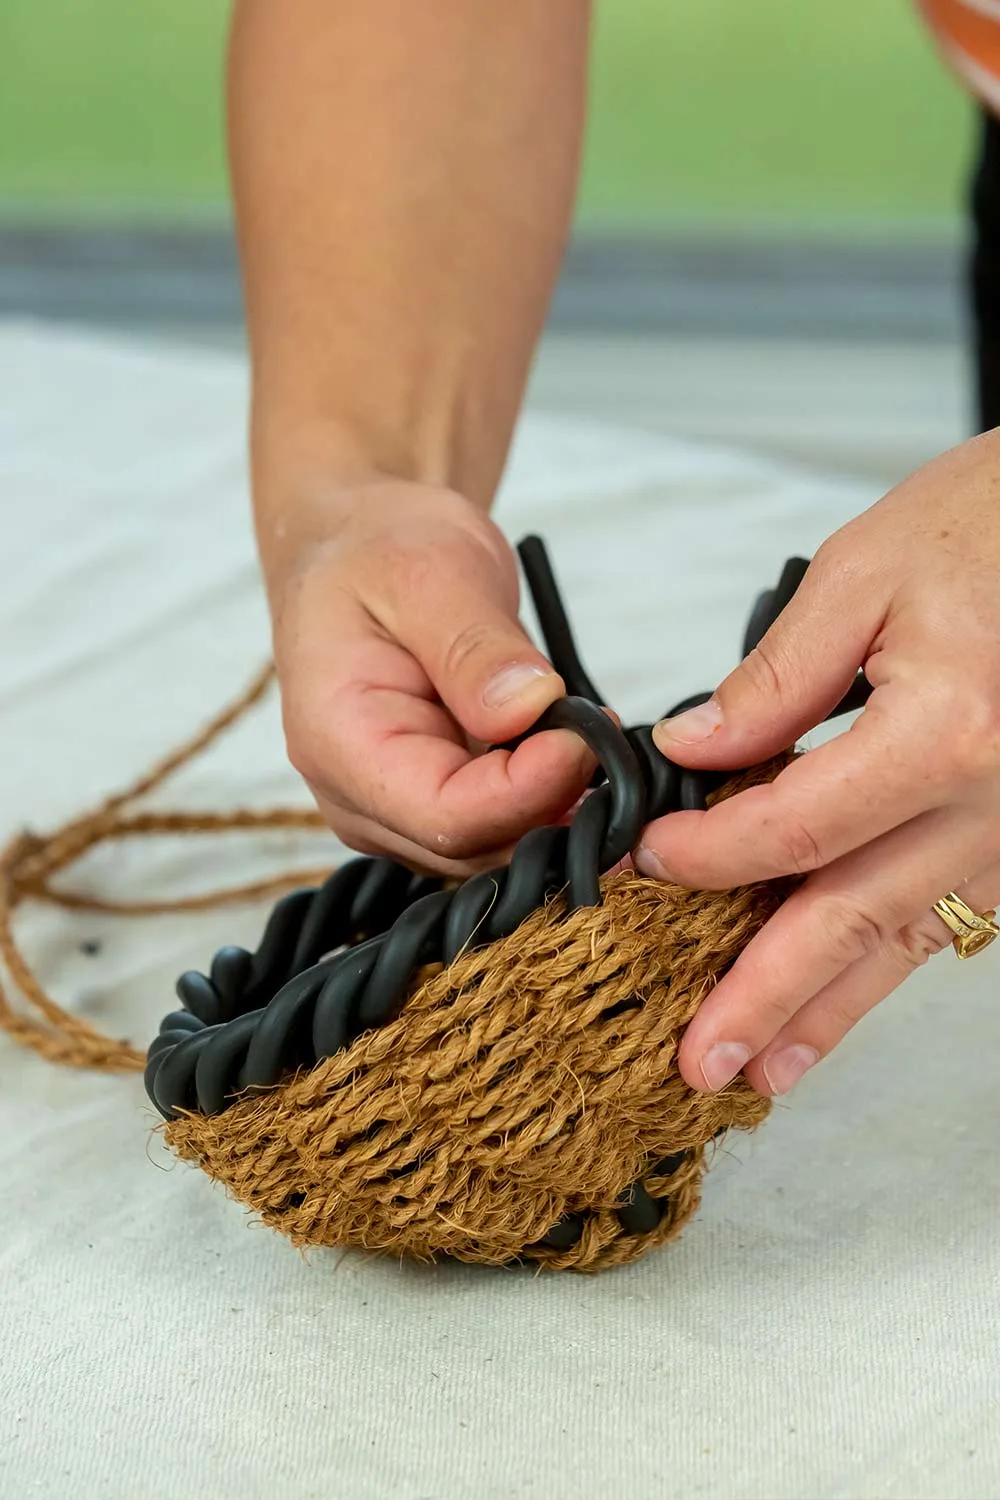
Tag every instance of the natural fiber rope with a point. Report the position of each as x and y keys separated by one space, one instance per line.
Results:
x=29 y=863
x=531 y=1079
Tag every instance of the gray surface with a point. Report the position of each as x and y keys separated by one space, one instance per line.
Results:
x=705 y=287
x=873 y=408
x=827 y=1327
x=846 y=356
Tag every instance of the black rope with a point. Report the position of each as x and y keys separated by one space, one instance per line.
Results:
x=338 y=960
x=553 y=620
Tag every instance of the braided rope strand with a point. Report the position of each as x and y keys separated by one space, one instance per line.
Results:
x=29 y=863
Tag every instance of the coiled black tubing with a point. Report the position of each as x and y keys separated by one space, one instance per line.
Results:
x=338 y=960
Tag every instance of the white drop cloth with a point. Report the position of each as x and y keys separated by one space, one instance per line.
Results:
x=827 y=1327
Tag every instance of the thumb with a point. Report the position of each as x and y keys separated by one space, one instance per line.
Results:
x=795 y=676
x=466 y=635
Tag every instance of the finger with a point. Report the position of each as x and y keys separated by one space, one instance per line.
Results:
x=843 y=914
x=825 y=1020
x=799 y=671
x=380 y=743
x=901 y=758
x=432 y=791
x=458 y=616
x=369 y=838
x=403 y=771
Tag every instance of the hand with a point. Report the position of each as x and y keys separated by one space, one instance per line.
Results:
x=882 y=821
x=400 y=657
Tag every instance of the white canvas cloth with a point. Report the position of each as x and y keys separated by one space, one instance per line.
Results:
x=827 y=1328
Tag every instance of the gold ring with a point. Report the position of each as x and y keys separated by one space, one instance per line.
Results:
x=972 y=932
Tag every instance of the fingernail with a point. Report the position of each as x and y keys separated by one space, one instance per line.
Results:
x=511 y=682
x=647 y=862
x=691 y=726
x=784 y=1069
x=722 y=1062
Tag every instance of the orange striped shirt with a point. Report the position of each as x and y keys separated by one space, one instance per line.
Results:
x=969 y=34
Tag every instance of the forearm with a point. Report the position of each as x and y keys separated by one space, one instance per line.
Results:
x=404 y=174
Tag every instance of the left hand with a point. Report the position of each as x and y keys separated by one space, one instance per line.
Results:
x=885 y=819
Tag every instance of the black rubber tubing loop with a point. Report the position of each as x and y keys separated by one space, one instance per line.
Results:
x=668 y=1165
x=557 y=633
x=167 y=1036
x=200 y=997
x=542 y=851
x=470 y=907
x=609 y=744
x=181 y=1020
x=336 y=1003
x=164 y=1041
x=679 y=786
x=637 y=1212
x=328 y=917
x=564 y=1234
x=380 y=898
x=553 y=620
x=174 y=1076
x=231 y=972
x=415 y=940
x=662 y=776
x=220 y=1062
x=273 y=958
x=268 y=1055
x=271 y=992
x=583 y=852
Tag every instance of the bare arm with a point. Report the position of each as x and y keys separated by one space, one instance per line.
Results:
x=404 y=175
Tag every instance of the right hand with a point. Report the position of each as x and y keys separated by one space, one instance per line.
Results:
x=401 y=658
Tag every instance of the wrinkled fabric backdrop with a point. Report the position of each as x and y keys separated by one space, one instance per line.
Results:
x=828 y=1325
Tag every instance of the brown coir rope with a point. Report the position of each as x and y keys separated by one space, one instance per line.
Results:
x=533 y=1078
x=30 y=862
x=529 y=1080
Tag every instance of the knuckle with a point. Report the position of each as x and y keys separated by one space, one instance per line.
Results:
x=847 y=931
x=832 y=558
x=971 y=734
x=763 y=669
x=303 y=752
x=919 y=941
x=466 y=645
x=440 y=834
x=447 y=838
x=799 y=850
x=410 y=570
x=955 y=720
x=311 y=750
x=840 y=1016
x=842 y=560
x=361 y=842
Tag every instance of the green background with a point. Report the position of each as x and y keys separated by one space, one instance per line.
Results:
x=821 y=112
